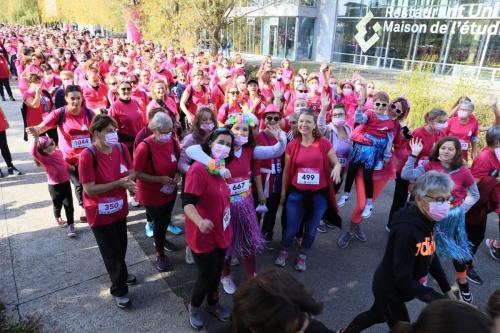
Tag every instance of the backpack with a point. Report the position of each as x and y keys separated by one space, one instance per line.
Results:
x=89 y=114
x=94 y=157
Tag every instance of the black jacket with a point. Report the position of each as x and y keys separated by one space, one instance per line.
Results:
x=410 y=256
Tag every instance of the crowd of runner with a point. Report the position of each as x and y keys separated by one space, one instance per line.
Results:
x=141 y=124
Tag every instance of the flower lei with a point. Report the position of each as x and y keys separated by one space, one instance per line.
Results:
x=241 y=118
x=214 y=166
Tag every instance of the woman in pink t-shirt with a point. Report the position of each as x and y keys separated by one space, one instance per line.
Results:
x=231 y=104
x=48 y=156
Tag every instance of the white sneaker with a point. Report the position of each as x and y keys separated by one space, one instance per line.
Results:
x=228 y=284
x=367 y=212
x=133 y=202
x=343 y=199
x=189 y=256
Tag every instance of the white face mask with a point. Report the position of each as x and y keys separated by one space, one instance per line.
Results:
x=347 y=91
x=497 y=153
x=111 y=138
x=67 y=82
x=440 y=126
x=462 y=114
x=165 y=137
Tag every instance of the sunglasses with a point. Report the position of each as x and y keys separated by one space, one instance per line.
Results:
x=302 y=91
x=398 y=111
x=381 y=104
x=126 y=89
x=271 y=118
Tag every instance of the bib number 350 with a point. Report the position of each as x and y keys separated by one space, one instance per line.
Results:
x=106 y=208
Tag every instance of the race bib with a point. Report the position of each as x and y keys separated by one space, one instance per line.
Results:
x=308 y=176
x=239 y=187
x=464 y=145
x=80 y=141
x=168 y=189
x=110 y=207
x=226 y=219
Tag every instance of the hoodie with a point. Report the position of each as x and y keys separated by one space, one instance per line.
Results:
x=409 y=257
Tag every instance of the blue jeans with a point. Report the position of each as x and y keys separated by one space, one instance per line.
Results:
x=295 y=210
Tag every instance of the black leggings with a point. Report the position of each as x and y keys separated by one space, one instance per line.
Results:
x=382 y=310
x=5 y=83
x=4 y=148
x=367 y=176
x=112 y=242
x=61 y=196
x=475 y=235
x=400 y=196
x=75 y=180
x=162 y=216
x=210 y=267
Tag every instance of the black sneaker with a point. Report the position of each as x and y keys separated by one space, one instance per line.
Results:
x=170 y=247
x=161 y=263
x=131 y=279
x=473 y=277
x=12 y=99
x=464 y=292
x=14 y=171
x=219 y=312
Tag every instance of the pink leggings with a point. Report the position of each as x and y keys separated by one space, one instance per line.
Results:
x=378 y=186
x=249 y=265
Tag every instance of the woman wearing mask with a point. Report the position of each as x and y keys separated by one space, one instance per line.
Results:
x=128 y=115
x=160 y=97
x=350 y=100
x=451 y=236
x=155 y=162
x=203 y=124
x=287 y=73
x=307 y=175
x=254 y=103
x=36 y=60
x=268 y=84
x=313 y=98
x=293 y=93
x=106 y=175
x=69 y=62
x=247 y=238
x=35 y=101
x=195 y=96
x=465 y=127
x=208 y=228
x=81 y=70
x=231 y=104
x=73 y=122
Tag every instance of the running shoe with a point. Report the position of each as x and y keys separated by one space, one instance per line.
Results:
x=345 y=239
x=322 y=227
x=161 y=262
x=14 y=171
x=70 y=230
x=174 y=230
x=343 y=199
x=133 y=202
x=131 y=279
x=300 y=264
x=149 y=229
x=464 y=292
x=12 y=99
x=123 y=301
x=281 y=259
x=196 y=317
x=170 y=247
x=494 y=251
x=367 y=211
x=189 y=256
x=359 y=234
x=219 y=312
x=473 y=277
x=268 y=245
x=228 y=284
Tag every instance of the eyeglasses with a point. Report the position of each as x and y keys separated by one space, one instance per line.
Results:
x=381 y=104
x=398 y=111
x=338 y=115
x=234 y=92
x=271 y=118
x=440 y=200
x=302 y=91
x=112 y=83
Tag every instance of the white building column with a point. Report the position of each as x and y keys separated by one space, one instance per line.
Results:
x=324 y=29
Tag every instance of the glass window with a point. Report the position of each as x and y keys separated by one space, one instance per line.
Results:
x=290 y=37
x=305 y=38
x=308 y=3
x=281 y=37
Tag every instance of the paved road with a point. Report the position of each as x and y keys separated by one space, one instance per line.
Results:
x=63 y=281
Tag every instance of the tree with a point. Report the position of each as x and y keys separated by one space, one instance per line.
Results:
x=24 y=12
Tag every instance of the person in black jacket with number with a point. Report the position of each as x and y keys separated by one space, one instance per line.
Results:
x=410 y=256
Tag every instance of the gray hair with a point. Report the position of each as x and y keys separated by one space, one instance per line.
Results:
x=161 y=121
x=493 y=135
x=467 y=105
x=432 y=181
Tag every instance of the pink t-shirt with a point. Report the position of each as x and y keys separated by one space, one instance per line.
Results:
x=462 y=178
x=466 y=133
x=309 y=174
x=95 y=98
x=54 y=165
x=428 y=141
x=226 y=110
x=487 y=166
x=129 y=118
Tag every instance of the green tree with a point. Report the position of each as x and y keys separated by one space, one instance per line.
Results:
x=24 y=12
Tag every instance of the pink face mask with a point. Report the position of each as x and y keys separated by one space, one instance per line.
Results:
x=220 y=152
x=440 y=126
x=338 y=121
x=439 y=211
x=207 y=127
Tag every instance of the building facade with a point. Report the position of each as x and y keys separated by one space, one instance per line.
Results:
x=455 y=37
